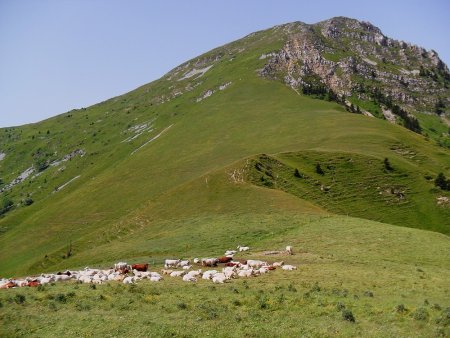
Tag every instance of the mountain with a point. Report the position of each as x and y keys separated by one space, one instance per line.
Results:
x=331 y=137
x=254 y=128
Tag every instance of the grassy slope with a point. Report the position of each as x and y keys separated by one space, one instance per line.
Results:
x=368 y=267
x=251 y=116
x=174 y=197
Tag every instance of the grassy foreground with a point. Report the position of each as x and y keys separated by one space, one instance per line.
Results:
x=392 y=281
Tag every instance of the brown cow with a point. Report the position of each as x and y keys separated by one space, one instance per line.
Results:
x=224 y=259
x=8 y=285
x=140 y=267
x=33 y=283
x=231 y=264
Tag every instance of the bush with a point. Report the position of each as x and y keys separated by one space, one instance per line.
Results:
x=400 y=308
x=348 y=316
x=236 y=302
x=19 y=299
x=368 y=293
x=28 y=201
x=262 y=302
x=319 y=169
x=420 y=314
x=442 y=182
x=340 y=306
x=297 y=173
x=387 y=165
x=182 y=306
x=61 y=298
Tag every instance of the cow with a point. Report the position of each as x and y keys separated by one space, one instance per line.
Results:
x=171 y=263
x=33 y=283
x=289 y=250
x=140 y=267
x=8 y=285
x=224 y=259
x=209 y=262
x=243 y=248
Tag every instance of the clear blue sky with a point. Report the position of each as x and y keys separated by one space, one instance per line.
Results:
x=63 y=54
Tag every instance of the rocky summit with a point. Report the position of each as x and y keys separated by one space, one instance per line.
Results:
x=355 y=60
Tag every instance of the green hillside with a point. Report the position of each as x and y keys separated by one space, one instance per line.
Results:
x=137 y=149
x=216 y=154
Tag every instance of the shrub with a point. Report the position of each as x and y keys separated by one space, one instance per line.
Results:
x=297 y=173
x=319 y=169
x=19 y=299
x=436 y=307
x=420 y=314
x=61 y=298
x=368 y=293
x=236 y=302
x=387 y=164
x=400 y=308
x=340 y=306
x=348 y=316
x=28 y=201
x=182 y=306
x=442 y=182
x=262 y=302
x=291 y=288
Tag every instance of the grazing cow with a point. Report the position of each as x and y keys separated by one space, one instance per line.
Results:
x=171 y=263
x=196 y=260
x=187 y=267
x=128 y=280
x=155 y=278
x=278 y=264
x=33 y=283
x=224 y=259
x=8 y=285
x=232 y=264
x=219 y=278
x=245 y=273
x=209 y=274
x=289 y=250
x=289 y=267
x=230 y=252
x=166 y=271
x=177 y=273
x=243 y=248
x=120 y=266
x=140 y=267
x=209 y=262
x=189 y=278
x=183 y=263
x=255 y=263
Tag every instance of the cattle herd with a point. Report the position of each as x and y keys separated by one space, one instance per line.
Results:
x=187 y=270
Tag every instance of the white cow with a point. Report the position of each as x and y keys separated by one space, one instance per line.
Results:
x=255 y=263
x=209 y=274
x=243 y=248
x=289 y=267
x=219 y=278
x=177 y=273
x=189 y=278
x=289 y=250
x=183 y=263
x=171 y=263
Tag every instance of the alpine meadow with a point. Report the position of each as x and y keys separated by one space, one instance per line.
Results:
x=331 y=138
